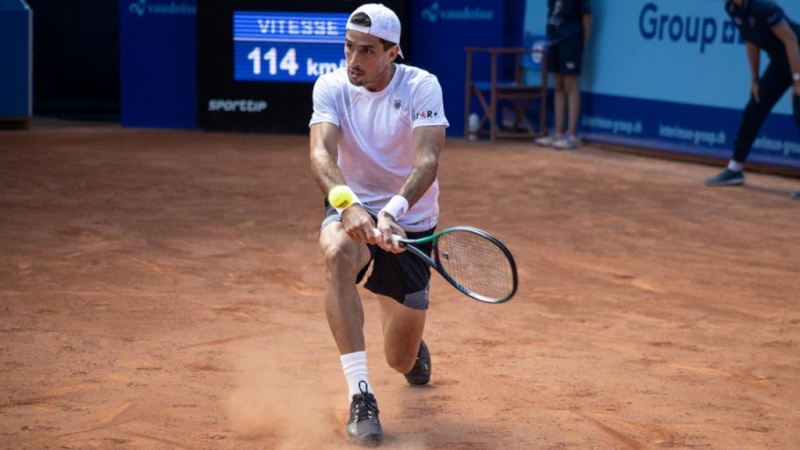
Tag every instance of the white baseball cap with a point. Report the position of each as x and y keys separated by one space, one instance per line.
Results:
x=385 y=23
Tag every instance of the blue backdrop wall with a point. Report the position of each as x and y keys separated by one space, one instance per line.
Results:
x=158 y=63
x=673 y=75
x=15 y=56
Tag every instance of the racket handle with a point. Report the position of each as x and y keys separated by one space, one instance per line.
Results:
x=376 y=232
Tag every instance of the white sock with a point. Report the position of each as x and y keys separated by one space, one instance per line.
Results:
x=735 y=166
x=355 y=370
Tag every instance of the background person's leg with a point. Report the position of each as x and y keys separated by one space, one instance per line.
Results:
x=572 y=88
x=560 y=103
x=775 y=81
x=571 y=64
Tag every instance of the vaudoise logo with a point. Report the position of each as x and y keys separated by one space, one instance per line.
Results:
x=141 y=7
x=435 y=13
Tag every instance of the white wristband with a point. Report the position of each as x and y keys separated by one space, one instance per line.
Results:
x=397 y=206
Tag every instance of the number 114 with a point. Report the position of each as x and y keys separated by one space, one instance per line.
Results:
x=287 y=63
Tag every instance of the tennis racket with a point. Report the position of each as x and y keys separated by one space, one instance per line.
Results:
x=473 y=261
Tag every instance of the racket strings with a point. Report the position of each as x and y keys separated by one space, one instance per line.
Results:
x=477 y=264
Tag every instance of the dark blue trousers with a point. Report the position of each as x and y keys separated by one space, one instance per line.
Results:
x=775 y=81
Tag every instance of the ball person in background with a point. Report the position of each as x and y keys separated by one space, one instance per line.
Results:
x=569 y=24
x=378 y=128
x=764 y=26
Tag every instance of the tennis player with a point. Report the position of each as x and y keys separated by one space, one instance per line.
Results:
x=764 y=26
x=377 y=127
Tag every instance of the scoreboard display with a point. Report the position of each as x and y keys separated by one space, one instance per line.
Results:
x=291 y=47
x=258 y=61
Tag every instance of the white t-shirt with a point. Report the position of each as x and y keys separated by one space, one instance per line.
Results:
x=375 y=151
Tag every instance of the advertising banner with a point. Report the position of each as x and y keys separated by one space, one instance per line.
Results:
x=673 y=75
x=158 y=63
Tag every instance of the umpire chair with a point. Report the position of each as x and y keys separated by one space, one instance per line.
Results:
x=496 y=91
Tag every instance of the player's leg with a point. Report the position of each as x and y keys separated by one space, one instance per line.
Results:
x=402 y=333
x=344 y=262
x=344 y=259
x=402 y=282
x=775 y=81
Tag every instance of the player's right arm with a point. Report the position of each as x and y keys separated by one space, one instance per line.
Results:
x=324 y=138
x=324 y=141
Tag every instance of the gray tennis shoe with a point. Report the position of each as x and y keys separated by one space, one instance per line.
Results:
x=421 y=372
x=727 y=177
x=363 y=427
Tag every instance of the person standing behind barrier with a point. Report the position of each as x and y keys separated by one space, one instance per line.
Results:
x=569 y=24
x=764 y=26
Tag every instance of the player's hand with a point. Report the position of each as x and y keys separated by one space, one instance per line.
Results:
x=754 y=91
x=796 y=88
x=387 y=226
x=358 y=224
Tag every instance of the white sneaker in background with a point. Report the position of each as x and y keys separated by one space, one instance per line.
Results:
x=546 y=141
x=567 y=143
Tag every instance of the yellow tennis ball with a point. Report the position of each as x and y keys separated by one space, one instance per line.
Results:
x=340 y=197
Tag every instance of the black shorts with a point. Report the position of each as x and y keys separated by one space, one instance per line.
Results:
x=565 y=57
x=401 y=276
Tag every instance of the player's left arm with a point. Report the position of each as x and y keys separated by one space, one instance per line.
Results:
x=428 y=124
x=785 y=33
x=428 y=142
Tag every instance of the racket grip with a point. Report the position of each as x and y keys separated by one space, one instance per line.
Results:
x=376 y=232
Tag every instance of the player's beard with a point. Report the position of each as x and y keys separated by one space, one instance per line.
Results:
x=366 y=81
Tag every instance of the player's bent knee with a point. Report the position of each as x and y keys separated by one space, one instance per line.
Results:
x=401 y=363
x=340 y=260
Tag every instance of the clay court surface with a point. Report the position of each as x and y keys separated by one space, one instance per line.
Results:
x=164 y=289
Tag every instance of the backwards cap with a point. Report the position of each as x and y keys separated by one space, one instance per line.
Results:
x=385 y=23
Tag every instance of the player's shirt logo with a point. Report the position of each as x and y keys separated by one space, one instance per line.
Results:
x=425 y=115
